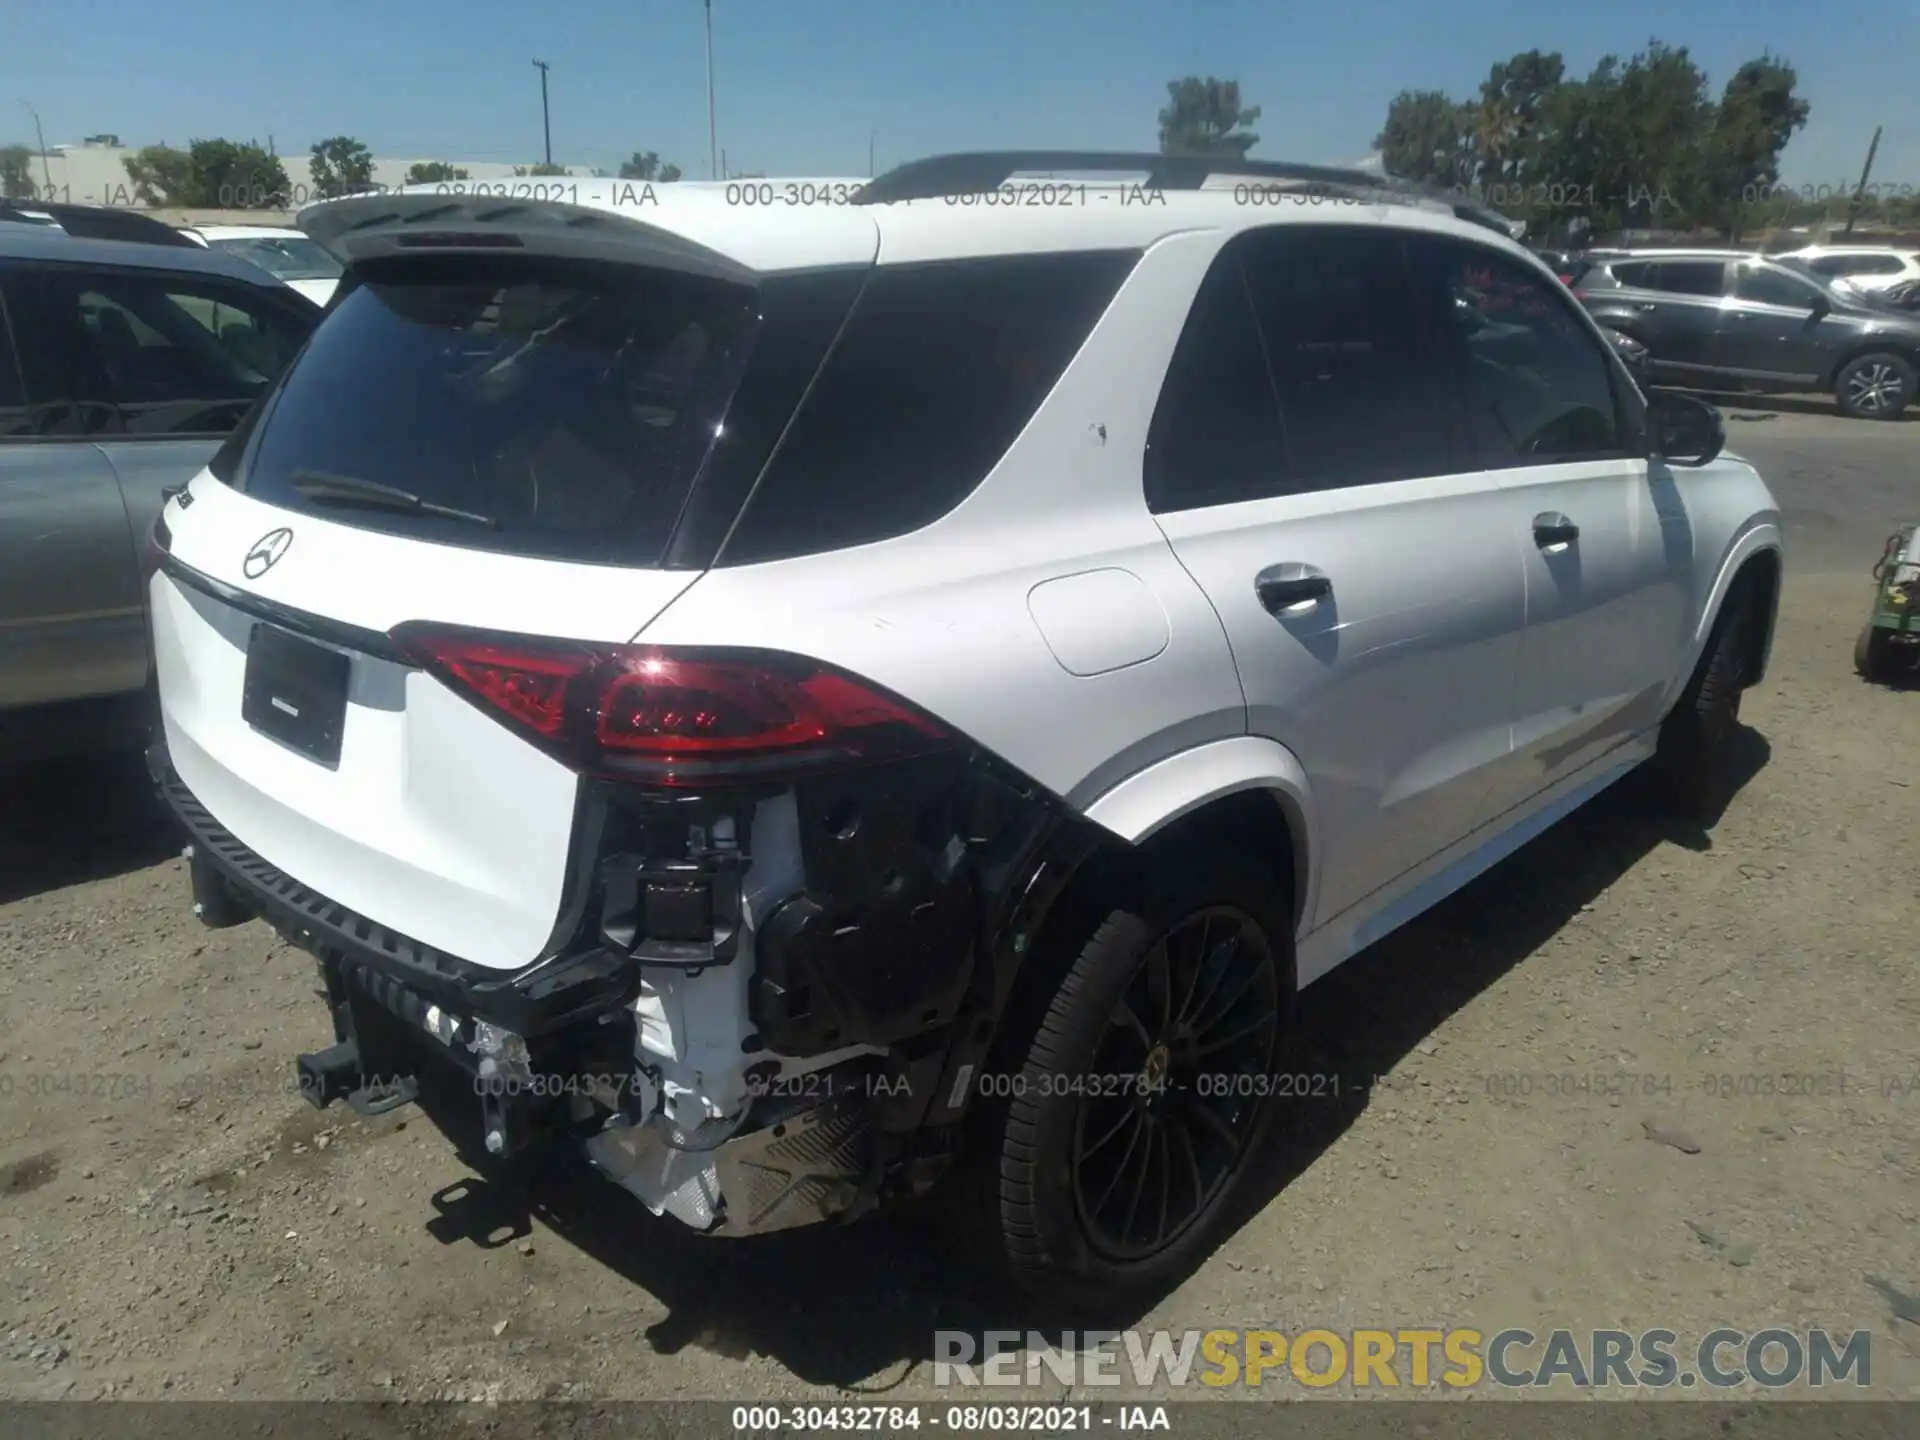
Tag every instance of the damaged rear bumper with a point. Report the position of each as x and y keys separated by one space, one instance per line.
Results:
x=546 y=1052
x=743 y=1060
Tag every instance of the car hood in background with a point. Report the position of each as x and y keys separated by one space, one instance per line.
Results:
x=318 y=291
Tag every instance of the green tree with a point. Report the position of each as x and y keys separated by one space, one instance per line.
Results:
x=1206 y=117
x=1665 y=111
x=230 y=176
x=646 y=165
x=432 y=172
x=1757 y=115
x=1635 y=142
x=541 y=170
x=341 y=166
x=1427 y=138
x=16 y=172
x=161 y=175
x=1509 y=118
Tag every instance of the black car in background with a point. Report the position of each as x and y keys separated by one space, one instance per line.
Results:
x=1731 y=319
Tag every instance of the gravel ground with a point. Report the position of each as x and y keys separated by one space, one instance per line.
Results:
x=174 y=1222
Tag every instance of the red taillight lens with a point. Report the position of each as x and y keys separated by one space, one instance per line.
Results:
x=523 y=685
x=673 y=716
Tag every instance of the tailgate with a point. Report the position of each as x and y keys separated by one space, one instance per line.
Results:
x=503 y=443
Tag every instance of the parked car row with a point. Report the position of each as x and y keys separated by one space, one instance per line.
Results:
x=1730 y=319
x=128 y=353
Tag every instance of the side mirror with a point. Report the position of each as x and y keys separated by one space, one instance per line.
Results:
x=1685 y=431
x=1820 y=306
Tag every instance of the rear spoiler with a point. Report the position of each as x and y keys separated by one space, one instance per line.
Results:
x=368 y=227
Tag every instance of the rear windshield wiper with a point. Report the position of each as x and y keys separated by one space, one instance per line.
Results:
x=324 y=488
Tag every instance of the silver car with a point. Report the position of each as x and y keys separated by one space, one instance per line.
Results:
x=124 y=364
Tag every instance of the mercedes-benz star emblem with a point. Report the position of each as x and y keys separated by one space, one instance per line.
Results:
x=266 y=552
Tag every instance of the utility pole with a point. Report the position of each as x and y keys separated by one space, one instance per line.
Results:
x=41 y=136
x=1853 y=207
x=713 y=134
x=546 y=121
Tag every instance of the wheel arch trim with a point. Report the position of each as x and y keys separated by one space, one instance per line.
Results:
x=1149 y=801
x=1759 y=539
x=1899 y=347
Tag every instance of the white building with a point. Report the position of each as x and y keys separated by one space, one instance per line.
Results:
x=95 y=173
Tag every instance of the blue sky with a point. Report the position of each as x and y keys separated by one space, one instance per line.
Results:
x=802 y=85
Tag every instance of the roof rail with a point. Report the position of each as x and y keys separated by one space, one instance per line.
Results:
x=975 y=172
x=95 y=222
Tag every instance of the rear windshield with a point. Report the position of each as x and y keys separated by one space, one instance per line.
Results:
x=563 y=409
x=291 y=258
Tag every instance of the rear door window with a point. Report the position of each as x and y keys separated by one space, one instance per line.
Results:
x=563 y=408
x=182 y=355
x=1686 y=277
x=1359 y=353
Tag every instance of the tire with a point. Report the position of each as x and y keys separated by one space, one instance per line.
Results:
x=1870 y=653
x=1065 y=1231
x=1874 y=386
x=1696 y=741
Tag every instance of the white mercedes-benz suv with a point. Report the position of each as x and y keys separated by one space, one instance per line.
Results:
x=799 y=699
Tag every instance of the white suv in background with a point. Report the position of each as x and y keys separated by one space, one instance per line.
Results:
x=800 y=699
x=286 y=253
x=1871 y=269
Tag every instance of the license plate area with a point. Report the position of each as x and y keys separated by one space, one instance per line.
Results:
x=295 y=692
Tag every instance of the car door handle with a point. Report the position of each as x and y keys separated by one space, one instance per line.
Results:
x=1554 y=529
x=1647 y=305
x=1281 y=587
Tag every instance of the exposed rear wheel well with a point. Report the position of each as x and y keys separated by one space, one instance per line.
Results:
x=1258 y=824
x=1756 y=587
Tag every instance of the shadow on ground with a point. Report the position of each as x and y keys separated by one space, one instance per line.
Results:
x=67 y=822
x=857 y=1307
x=1739 y=406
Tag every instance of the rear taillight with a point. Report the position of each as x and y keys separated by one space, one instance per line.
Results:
x=676 y=717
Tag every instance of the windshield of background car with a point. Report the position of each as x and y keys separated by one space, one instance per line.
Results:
x=570 y=404
x=295 y=258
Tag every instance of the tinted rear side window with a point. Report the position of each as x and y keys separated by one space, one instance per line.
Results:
x=14 y=417
x=938 y=370
x=571 y=405
x=1765 y=285
x=1357 y=344
x=1857 y=265
x=1687 y=277
x=1216 y=435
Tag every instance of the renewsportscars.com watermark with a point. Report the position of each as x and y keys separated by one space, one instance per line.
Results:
x=1411 y=1358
